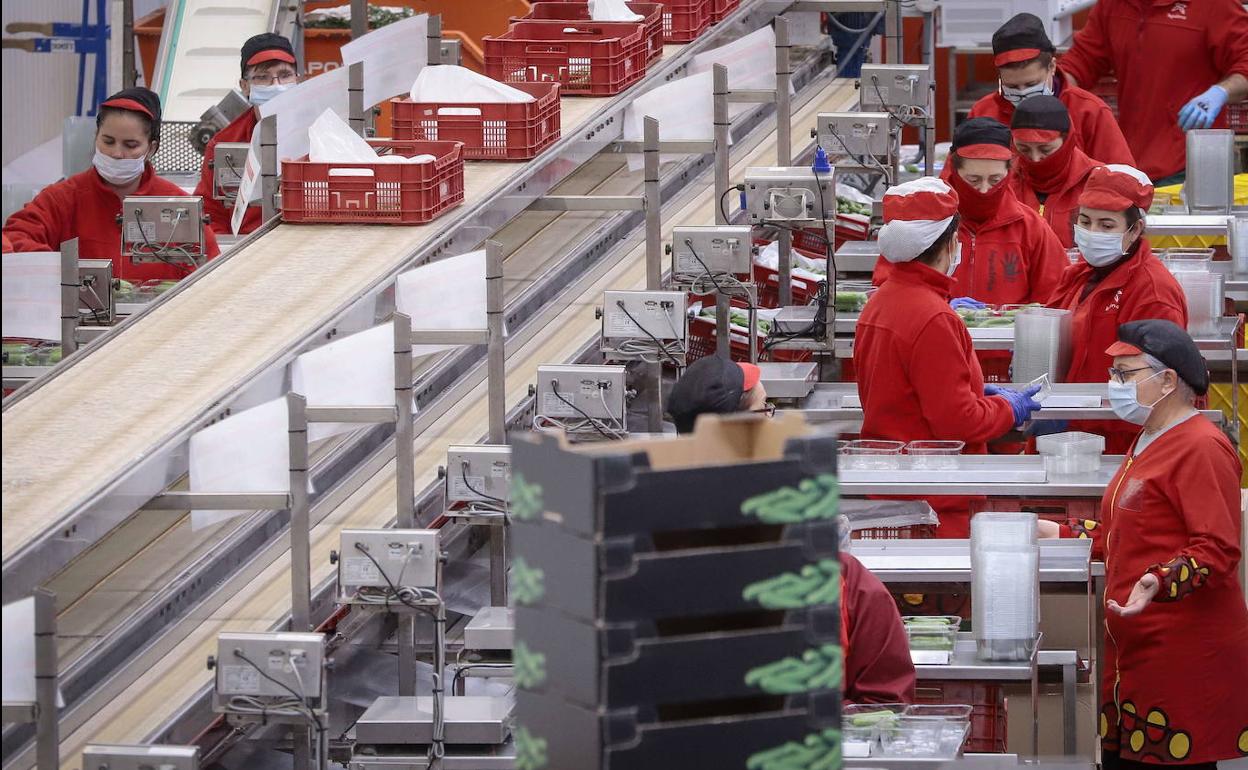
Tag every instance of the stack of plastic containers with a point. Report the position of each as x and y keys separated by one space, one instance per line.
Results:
x=935 y=455
x=873 y=455
x=898 y=730
x=1202 y=289
x=1041 y=343
x=1005 y=585
x=1070 y=454
x=1237 y=242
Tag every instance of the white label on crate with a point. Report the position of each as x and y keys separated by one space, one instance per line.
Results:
x=855 y=749
x=240 y=680
x=929 y=657
x=136 y=235
x=360 y=571
x=460 y=489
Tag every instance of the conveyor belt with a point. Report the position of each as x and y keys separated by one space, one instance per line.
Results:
x=141 y=709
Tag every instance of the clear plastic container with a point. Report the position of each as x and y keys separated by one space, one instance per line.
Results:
x=1004 y=649
x=858 y=742
x=1070 y=443
x=872 y=454
x=945 y=621
x=1187 y=260
x=924 y=738
x=1003 y=529
x=871 y=714
x=935 y=455
x=1046 y=388
x=1237 y=241
x=933 y=637
x=1204 y=293
x=1062 y=466
x=949 y=711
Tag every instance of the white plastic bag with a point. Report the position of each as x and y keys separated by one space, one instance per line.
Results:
x=357 y=370
x=393 y=57
x=751 y=60
x=331 y=140
x=297 y=107
x=449 y=83
x=685 y=110
x=612 y=10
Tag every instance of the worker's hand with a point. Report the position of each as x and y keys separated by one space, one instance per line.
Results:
x=1020 y=401
x=1143 y=592
x=1203 y=110
x=966 y=302
x=1047 y=530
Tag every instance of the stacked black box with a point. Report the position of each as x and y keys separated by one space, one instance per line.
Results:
x=677 y=601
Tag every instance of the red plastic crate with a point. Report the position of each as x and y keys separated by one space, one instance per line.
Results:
x=813 y=240
x=381 y=193
x=497 y=132
x=768 y=282
x=599 y=58
x=721 y=8
x=988 y=714
x=700 y=342
x=579 y=11
x=908 y=532
x=684 y=20
x=1237 y=117
x=1054 y=508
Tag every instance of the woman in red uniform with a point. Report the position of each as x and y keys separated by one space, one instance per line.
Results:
x=1052 y=170
x=1119 y=280
x=1174 y=684
x=918 y=377
x=86 y=206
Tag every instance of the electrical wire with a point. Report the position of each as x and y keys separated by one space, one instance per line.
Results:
x=152 y=252
x=302 y=708
x=461 y=668
x=578 y=427
x=89 y=285
x=659 y=346
x=723 y=211
x=827 y=287
x=463 y=472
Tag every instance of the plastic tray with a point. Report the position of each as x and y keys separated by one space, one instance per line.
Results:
x=921 y=738
x=1070 y=443
x=1185 y=260
x=932 y=637
x=600 y=58
x=935 y=455
x=498 y=131
x=988 y=713
x=684 y=20
x=652 y=22
x=872 y=454
x=381 y=193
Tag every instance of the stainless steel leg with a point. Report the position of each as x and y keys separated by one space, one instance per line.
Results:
x=47 y=735
x=300 y=526
x=1069 y=729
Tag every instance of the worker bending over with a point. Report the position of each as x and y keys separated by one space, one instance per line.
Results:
x=1052 y=170
x=86 y=206
x=268 y=68
x=716 y=385
x=878 y=666
x=918 y=377
x=1026 y=68
x=1174 y=685
x=1118 y=280
x=1178 y=64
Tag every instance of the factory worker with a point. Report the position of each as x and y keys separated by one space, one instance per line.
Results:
x=86 y=206
x=1174 y=687
x=268 y=68
x=1051 y=168
x=1178 y=64
x=1026 y=68
x=918 y=377
x=878 y=666
x=715 y=385
x=1118 y=280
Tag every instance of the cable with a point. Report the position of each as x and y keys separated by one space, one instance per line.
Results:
x=723 y=211
x=89 y=285
x=461 y=668
x=554 y=387
x=660 y=346
x=463 y=472
x=151 y=250
x=303 y=708
x=874 y=160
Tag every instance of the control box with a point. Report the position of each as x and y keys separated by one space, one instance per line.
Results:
x=643 y=314
x=720 y=248
x=894 y=85
x=856 y=134
x=492 y=628
x=789 y=194
x=382 y=558
x=228 y=161
x=162 y=228
x=259 y=664
x=479 y=473
x=95 y=295
x=154 y=757
x=596 y=391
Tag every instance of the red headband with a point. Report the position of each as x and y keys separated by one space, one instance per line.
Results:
x=984 y=152
x=271 y=54
x=128 y=104
x=1017 y=55
x=1035 y=134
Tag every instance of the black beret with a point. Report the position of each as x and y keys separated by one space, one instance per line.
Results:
x=711 y=385
x=1041 y=112
x=1022 y=38
x=1169 y=344
x=267 y=46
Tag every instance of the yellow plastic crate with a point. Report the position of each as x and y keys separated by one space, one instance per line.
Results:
x=1175 y=191
x=1220 y=398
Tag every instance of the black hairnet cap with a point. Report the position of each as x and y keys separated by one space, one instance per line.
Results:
x=1022 y=38
x=985 y=138
x=1169 y=344
x=267 y=46
x=1042 y=112
x=711 y=385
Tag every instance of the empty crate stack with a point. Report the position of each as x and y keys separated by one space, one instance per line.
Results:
x=655 y=628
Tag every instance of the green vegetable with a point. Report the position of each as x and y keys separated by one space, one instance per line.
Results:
x=930 y=642
x=377 y=17
x=872 y=718
x=850 y=301
x=846 y=206
x=930 y=620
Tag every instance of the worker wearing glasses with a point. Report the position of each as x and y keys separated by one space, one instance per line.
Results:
x=1175 y=675
x=715 y=385
x=268 y=68
x=1117 y=280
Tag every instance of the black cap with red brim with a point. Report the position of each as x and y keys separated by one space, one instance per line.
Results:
x=982 y=139
x=1040 y=119
x=1020 y=39
x=1169 y=344
x=267 y=46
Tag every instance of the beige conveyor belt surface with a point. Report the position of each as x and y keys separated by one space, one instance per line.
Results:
x=109 y=410
x=176 y=677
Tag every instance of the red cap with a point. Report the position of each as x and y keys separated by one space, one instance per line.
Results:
x=271 y=54
x=1035 y=134
x=1017 y=55
x=921 y=200
x=1121 y=348
x=1116 y=187
x=985 y=152
x=752 y=375
x=128 y=104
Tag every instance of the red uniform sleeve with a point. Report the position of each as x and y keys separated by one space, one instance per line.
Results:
x=44 y=223
x=1047 y=262
x=940 y=373
x=1088 y=529
x=1206 y=485
x=1107 y=144
x=1228 y=39
x=1089 y=56
x=1162 y=309
x=211 y=248
x=878 y=668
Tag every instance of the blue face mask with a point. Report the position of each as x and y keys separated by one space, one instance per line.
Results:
x=1126 y=404
x=261 y=94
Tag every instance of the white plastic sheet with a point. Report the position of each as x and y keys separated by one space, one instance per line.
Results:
x=612 y=10
x=393 y=56
x=331 y=140
x=805 y=28
x=296 y=108
x=751 y=60
x=18 y=627
x=447 y=294
x=31 y=290
x=247 y=452
x=352 y=371
x=685 y=110
x=249 y=184
x=449 y=83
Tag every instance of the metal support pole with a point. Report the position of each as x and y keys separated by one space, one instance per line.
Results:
x=300 y=528
x=892 y=31
x=301 y=743
x=786 y=267
x=268 y=167
x=69 y=296
x=654 y=204
x=929 y=123
x=719 y=77
x=405 y=471
x=784 y=76
x=359 y=18
x=496 y=374
x=355 y=97
x=129 y=74
x=434 y=36
x=47 y=736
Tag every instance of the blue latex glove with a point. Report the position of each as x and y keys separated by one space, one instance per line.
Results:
x=966 y=302
x=1047 y=427
x=990 y=389
x=1201 y=111
x=1021 y=402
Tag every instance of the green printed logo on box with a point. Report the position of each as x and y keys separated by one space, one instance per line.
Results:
x=820 y=751
x=817 y=669
x=818 y=583
x=530 y=666
x=530 y=750
x=528 y=584
x=526 y=498
x=813 y=499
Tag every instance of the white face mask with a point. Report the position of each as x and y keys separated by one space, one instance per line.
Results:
x=955 y=259
x=1099 y=249
x=1016 y=96
x=1125 y=403
x=261 y=94
x=119 y=170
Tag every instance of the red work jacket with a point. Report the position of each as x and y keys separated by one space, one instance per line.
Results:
x=1092 y=123
x=1061 y=207
x=86 y=208
x=1140 y=287
x=239 y=130
x=1164 y=53
x=1174 y=686
x=878 y=668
